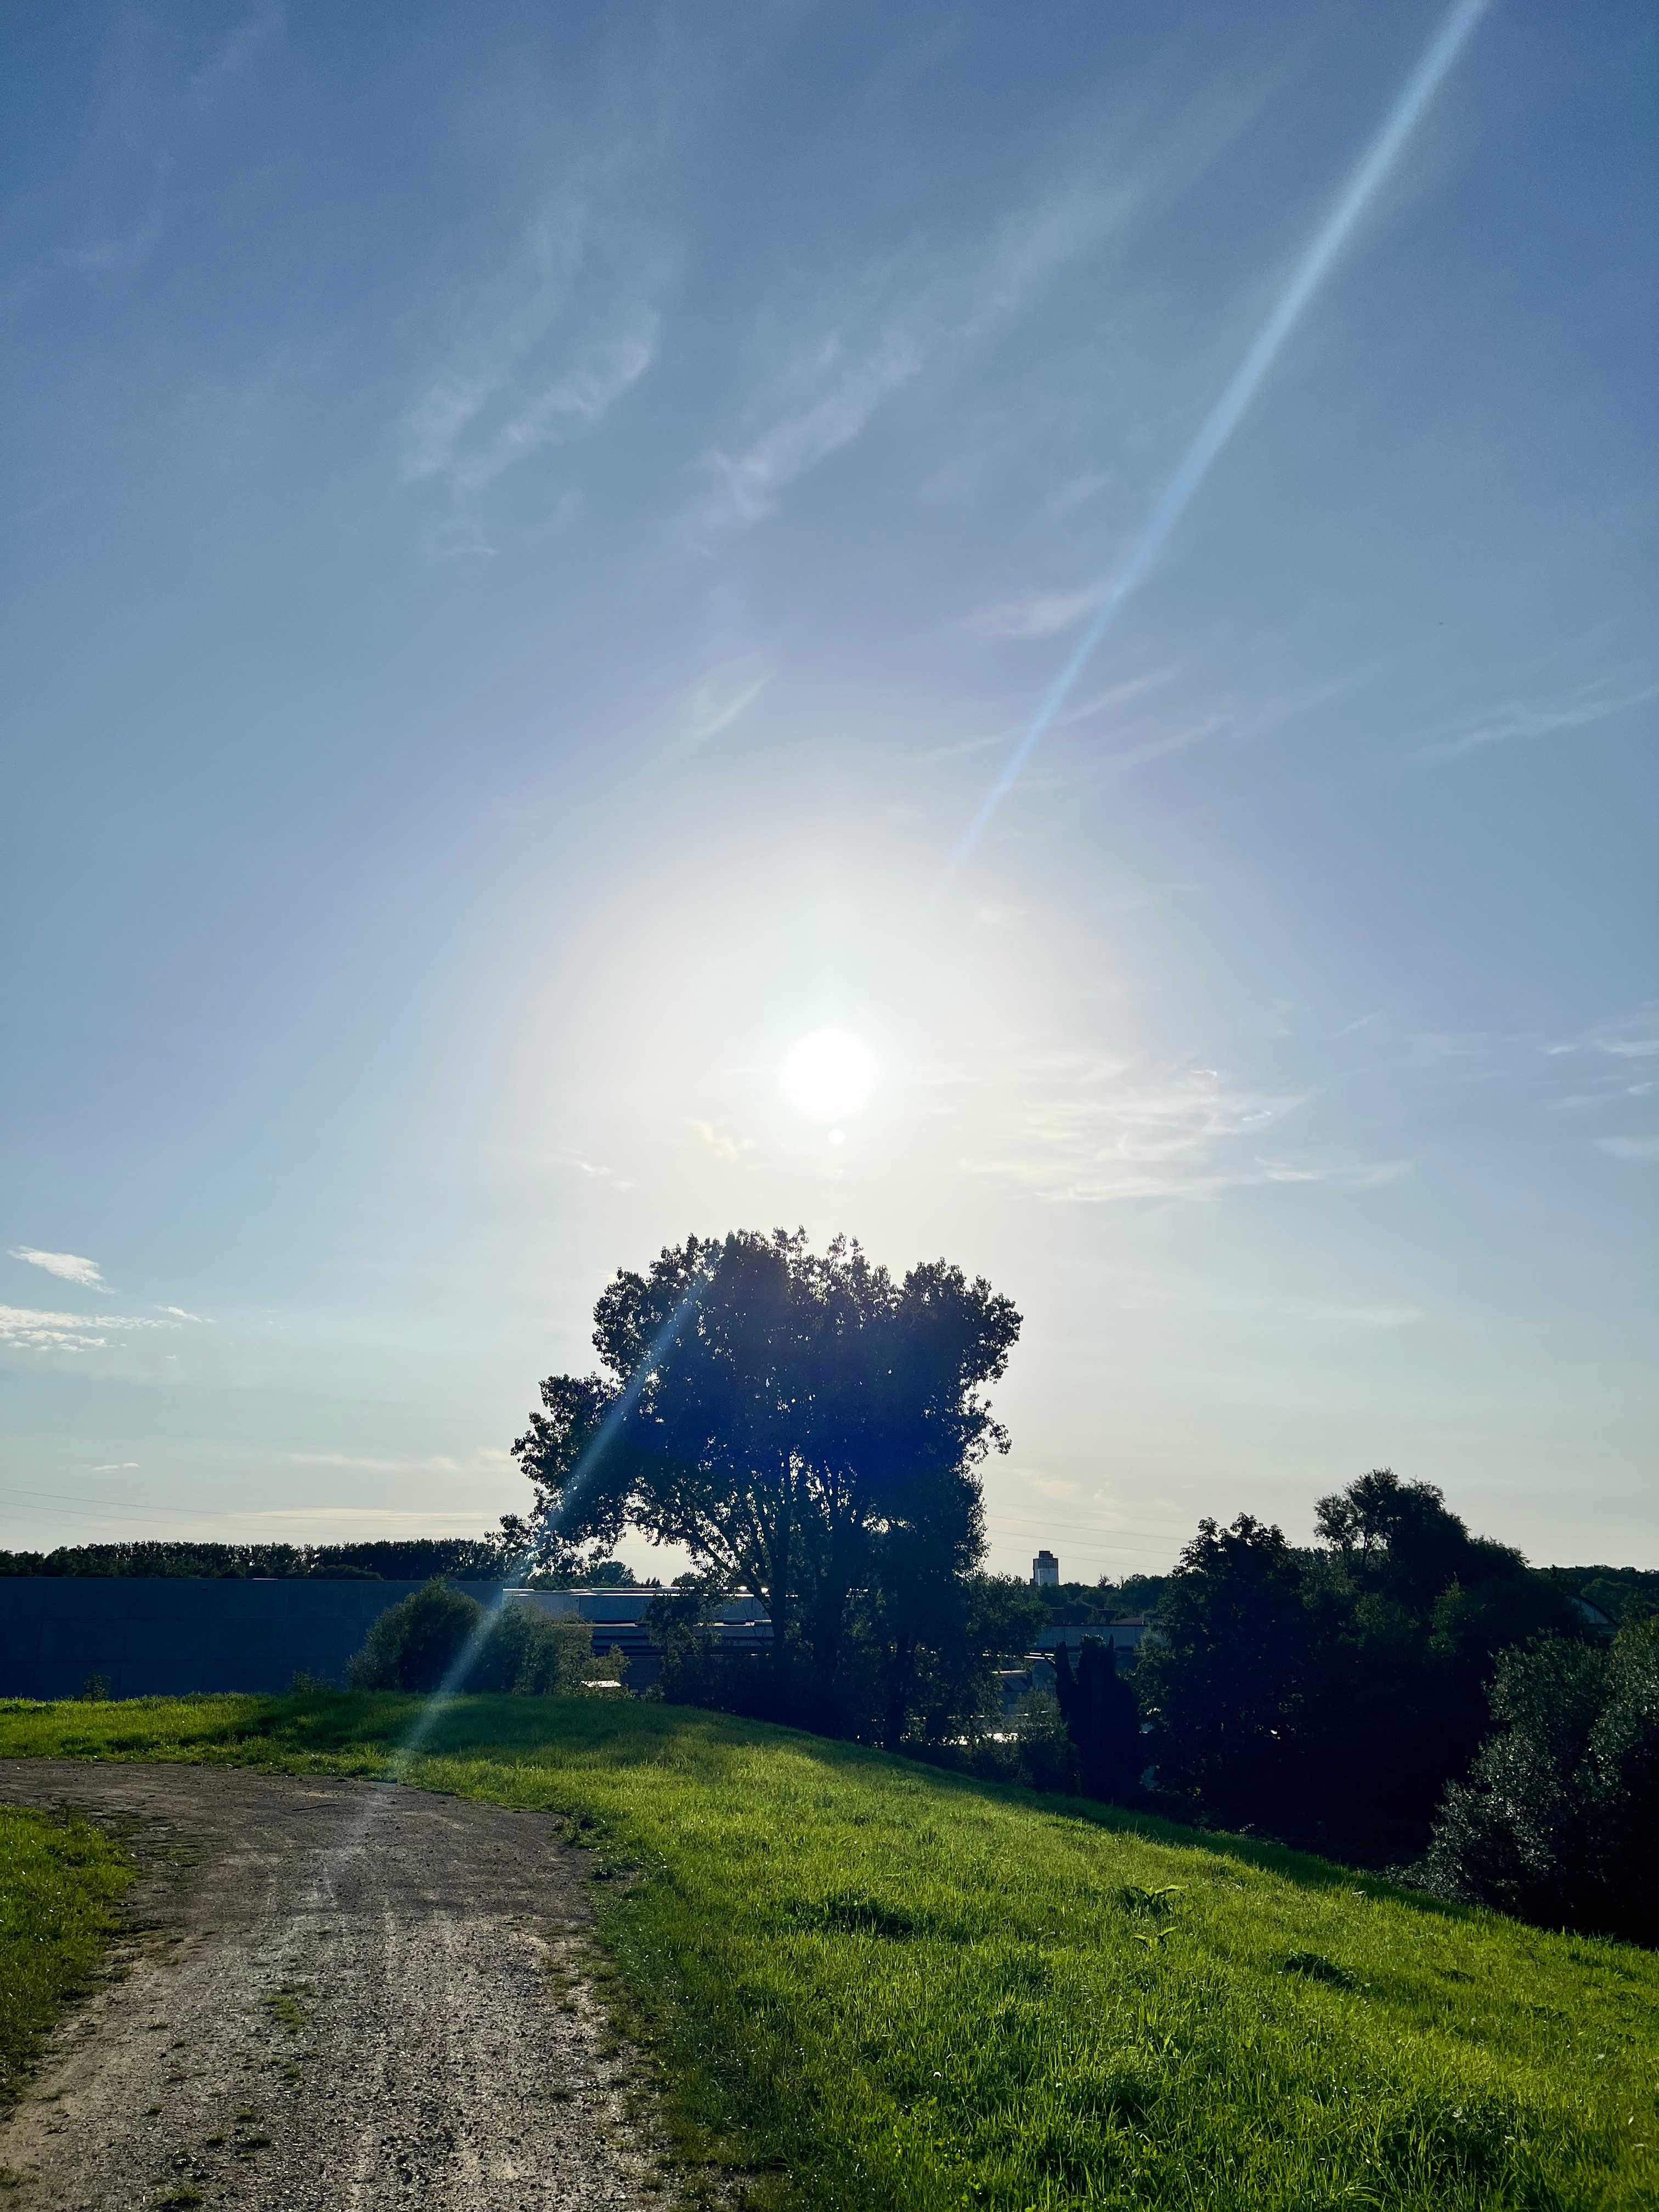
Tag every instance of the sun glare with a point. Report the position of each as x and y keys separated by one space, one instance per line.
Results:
x=827 y=1074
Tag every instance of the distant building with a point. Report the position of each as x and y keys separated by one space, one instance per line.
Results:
x=1045 y=1570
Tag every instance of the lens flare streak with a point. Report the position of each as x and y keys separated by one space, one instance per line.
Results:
x=1315 y=265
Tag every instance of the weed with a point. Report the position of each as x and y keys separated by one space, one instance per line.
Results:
x=1154 y=1901
x=284 y=2007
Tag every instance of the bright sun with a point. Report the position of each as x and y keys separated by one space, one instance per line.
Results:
x=827 y=1074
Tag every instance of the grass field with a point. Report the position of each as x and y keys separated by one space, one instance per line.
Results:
x=59 y=1880
x=883 y=1988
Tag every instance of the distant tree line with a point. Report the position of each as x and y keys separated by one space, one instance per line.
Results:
x=490 y=1559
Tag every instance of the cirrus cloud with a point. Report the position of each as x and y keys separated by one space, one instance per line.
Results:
x=30 y=1329
x=69 y=1264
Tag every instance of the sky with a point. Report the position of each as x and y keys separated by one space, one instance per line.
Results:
x=533 y=535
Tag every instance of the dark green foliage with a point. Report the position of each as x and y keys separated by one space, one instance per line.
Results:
x=1328 y=1696
x=529 y=1655
x=1102 y=1720
x=811 y=1429
x=463 y=1559
x=1558 y=1821
x=437 y=1633
x=919 y=1669
x=1098 y=1605
x=1225 y=1679
x=1622 y=1593
x=414 y=1644
x=1043 y=1756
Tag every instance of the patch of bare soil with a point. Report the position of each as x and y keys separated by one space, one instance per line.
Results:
x=331 y=1993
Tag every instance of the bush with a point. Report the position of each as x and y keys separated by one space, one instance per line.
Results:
x=529 y=1656
x=1044 y=1756
x=1558 y=1821
x=417 y=1644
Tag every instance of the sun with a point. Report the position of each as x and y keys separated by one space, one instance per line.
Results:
x=827 y=1074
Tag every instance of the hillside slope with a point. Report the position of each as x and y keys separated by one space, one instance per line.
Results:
x=881 y=1987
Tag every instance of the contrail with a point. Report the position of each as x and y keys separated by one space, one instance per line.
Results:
x=1355 y=197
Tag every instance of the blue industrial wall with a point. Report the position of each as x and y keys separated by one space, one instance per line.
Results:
x=166 y=1637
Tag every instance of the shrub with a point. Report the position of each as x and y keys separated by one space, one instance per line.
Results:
x=417 y=1644
x=414 y=1643
x=1044 y=1756
x=1558 y=1821
x=530 y=1655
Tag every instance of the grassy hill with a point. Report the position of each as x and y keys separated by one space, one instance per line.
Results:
x=883 y=1988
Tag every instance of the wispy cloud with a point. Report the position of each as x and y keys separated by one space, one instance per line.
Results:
x=598 y=1173
x=717 y=698
x=540 y=370
x=1539 y=719
x=1040 y=614
x=117 y=1466
x=484 y=1456
x=1637 y=1149
x=233 y=61
x=1090 y=1130
x=1260 y=1305
x=70 y=1266
x=900 y=318
x=37 y=1331
x=721 y=1143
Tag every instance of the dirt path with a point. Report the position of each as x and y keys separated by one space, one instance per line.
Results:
x=331 y=1993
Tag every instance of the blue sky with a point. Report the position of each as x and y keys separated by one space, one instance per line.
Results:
x=532 y=534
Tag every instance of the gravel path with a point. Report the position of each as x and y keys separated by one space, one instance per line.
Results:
x=331 y=1993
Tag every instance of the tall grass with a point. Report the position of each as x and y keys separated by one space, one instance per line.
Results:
x=59 y=1880
x=885 y=1987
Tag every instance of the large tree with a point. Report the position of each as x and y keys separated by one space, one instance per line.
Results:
x=804 y=1425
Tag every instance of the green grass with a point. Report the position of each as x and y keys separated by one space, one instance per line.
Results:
x=59 y=1881
x=888 y=1989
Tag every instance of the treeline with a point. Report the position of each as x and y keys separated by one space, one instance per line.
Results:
x=1098 y=1605
x=1330 y=1694
x=490 y=1558
x=1402 y=1691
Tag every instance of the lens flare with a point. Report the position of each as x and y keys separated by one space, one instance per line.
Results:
x=1315 y=266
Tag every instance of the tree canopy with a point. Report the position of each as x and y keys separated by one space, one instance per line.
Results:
x=804 y=1423
x=1329 y=1694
